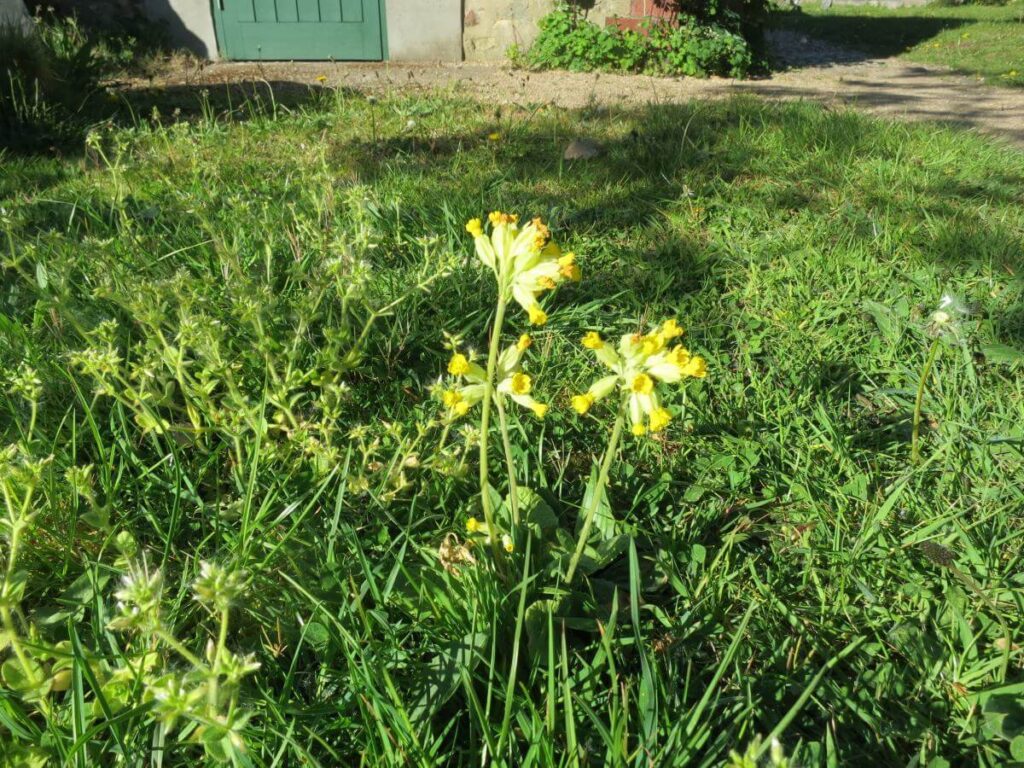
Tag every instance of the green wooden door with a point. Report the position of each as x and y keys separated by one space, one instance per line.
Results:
x=299 y=29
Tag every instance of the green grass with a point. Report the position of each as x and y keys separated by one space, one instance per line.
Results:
x=981 y=40
x=787 y=570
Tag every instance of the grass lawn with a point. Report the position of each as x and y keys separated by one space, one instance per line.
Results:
x=982 y=40
x=220 y=340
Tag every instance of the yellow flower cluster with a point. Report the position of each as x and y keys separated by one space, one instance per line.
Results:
x=524 y=259
x=512 y=381
x=639 y=363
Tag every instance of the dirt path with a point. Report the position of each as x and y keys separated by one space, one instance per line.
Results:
x=817 y=72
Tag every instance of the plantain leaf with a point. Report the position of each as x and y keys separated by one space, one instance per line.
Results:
x=444 y=672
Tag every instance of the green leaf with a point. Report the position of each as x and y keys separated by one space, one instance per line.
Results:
x=604 y=520
x=535 y=512
x=698 y=554
x=1001 y=354
x=1004 y=717
x=216 y=743
x=42 y=277
x=536 y=623
x=886 y=320
x=317 y=636
x=1017 y=748
x=16 y=755
x=693 y=493
x=501 y=511
x=13 y=589
x=98 y=518
x=15 y=677
x=444 y=672
x=597 y=557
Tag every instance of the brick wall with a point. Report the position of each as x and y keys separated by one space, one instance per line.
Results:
x=641 y=11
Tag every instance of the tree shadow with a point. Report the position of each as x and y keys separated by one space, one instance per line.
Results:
x=120 y=106
x=856 y=38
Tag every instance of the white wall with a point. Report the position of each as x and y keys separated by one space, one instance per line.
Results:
x=188 y=22
x=424 y=30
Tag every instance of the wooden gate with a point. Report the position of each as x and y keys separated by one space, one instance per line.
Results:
x=267 y=30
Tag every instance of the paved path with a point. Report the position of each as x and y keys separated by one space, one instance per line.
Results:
x=890 y=88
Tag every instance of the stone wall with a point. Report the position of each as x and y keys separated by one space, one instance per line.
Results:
x=489 y=27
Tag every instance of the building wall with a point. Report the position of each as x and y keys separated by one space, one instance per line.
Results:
x=189 y=23
x=424 y=30
x=491 y=26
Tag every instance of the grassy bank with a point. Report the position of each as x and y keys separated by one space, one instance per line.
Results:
x=220 y=339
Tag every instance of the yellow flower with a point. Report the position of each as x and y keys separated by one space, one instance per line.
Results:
x=568 y=268
x=321 y=78
x=475 y=227
x=497 y=217
x=543 y=234
x=696 y=367
x=659 y=419
x=512 y=381
x=473 y=525
x=524 y=259
x=581 y=403
x=520 y=384
x=458 y=365
x=459 y=400
x=642 y=384
x=537 y=315
x=670 y=329
x=506 y=543
x=493 y=136
x=640 y=363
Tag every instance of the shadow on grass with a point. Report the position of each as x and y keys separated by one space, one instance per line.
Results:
x=122 y=107
x=865 y=37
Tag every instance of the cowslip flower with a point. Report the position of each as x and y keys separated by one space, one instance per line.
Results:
x=638 y=365
x=512 y=381
x=525 y=260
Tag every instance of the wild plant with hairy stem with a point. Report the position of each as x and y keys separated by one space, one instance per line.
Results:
x=944 y=321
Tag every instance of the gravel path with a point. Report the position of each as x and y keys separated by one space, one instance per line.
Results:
x=815 y=72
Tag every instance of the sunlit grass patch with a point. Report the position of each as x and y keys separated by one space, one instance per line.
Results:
x=220 y=340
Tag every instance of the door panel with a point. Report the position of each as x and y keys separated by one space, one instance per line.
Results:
x=300 y=29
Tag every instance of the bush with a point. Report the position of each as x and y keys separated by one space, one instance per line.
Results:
x=691 y=47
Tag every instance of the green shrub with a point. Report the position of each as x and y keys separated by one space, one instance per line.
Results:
x=690 y=48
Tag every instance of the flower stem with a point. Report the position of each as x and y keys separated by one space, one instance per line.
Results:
x=513 y=486
x=485 y=425
x=222 y=638
x=178 y=647
x=915 y=446
x=595 y=499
